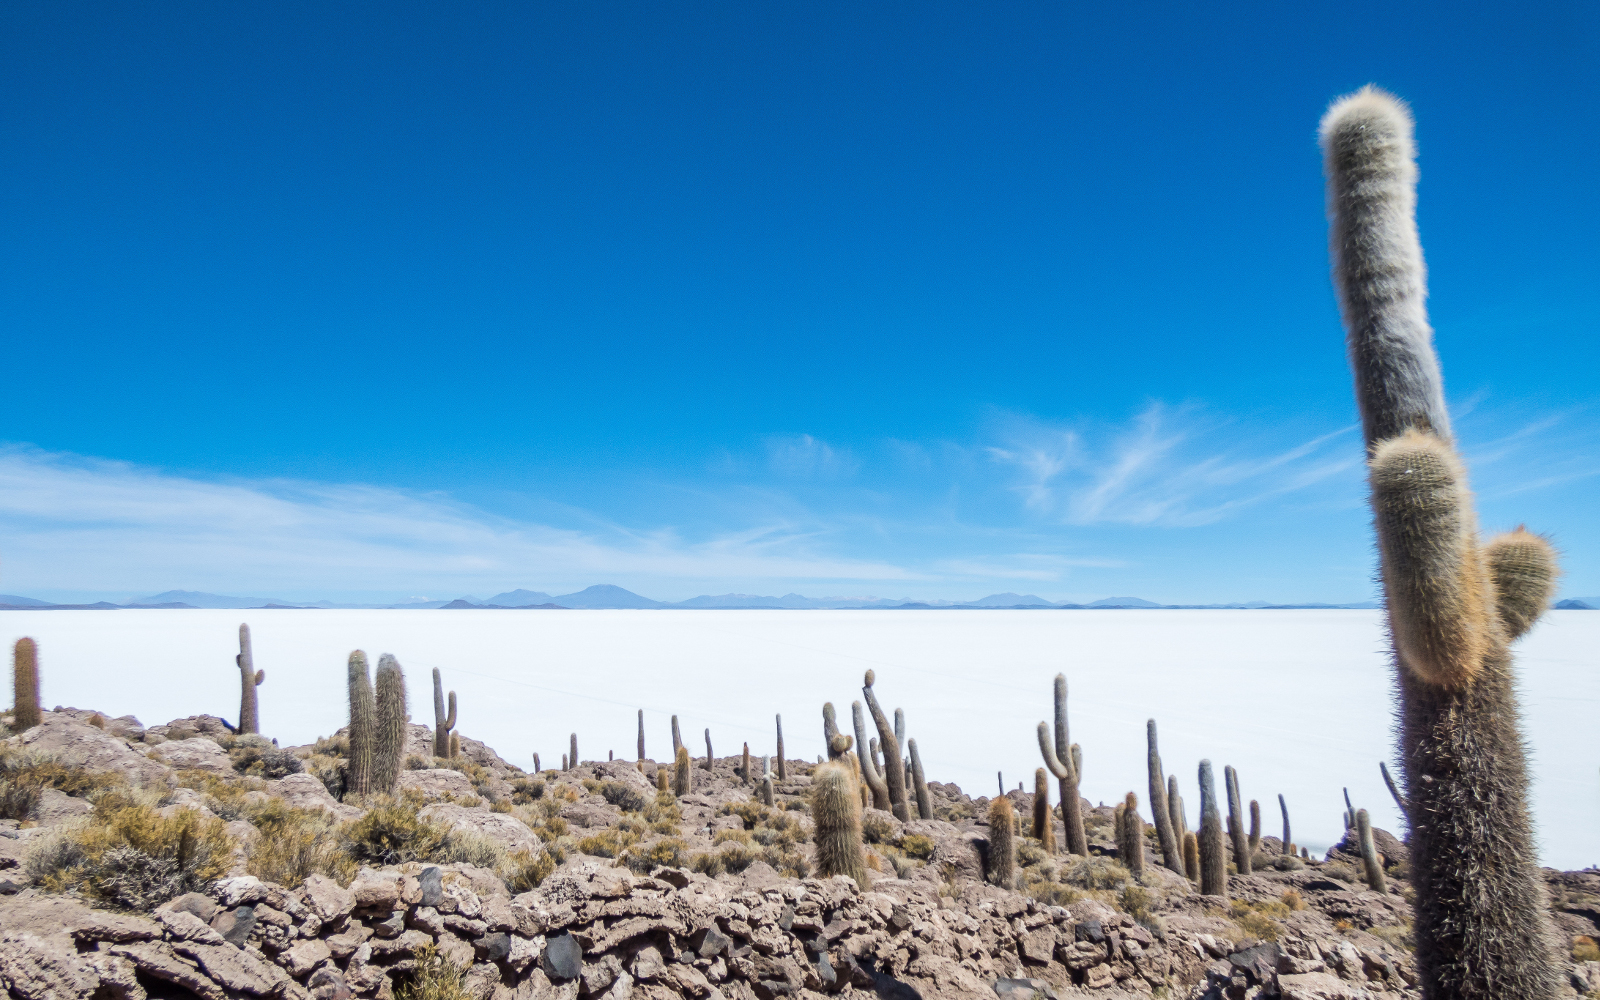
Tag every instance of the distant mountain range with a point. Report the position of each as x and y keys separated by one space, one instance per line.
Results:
x=607 y=596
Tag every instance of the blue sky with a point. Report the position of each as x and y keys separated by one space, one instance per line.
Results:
x=934 y=300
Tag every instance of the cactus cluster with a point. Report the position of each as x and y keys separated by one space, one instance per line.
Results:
x=1129 y=829
x=893 y=774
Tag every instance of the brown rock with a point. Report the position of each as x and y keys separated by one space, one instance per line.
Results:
x=199 y=754
x=79 y=744
x=326 y=899
x=504 y=828
x=158 y=960
x=437 y=782
x=305 y=956
x=302 y=791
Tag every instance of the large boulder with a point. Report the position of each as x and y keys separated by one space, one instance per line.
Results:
x=198 y=754
x=437 y=782
x=510 y=832
x=78 y=744
x=302 y=791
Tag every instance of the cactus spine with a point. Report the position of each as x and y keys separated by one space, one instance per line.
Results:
x=1369 y=853
x=1065 y=760
x=363 y=728
x=1130 y=834
x=1241 y=846
x=1002 y=859
x=1166 y=833
x=1454 y=606
x=680 y=773
x=1213 y=862
x=641 y=735
x=836 y=811
x=783 y=768
x=249 y=679
x=25 y=712
x=442 y=722
x=866 y=757
x=389 y=747
x=1288 y=847
x=920 y=782
x=1044 y=830
x=894 y=769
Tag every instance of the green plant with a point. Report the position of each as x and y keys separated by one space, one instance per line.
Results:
x=1191 y=857
x=389 y=735
x=783 y=767
x=1254 y=839
x=710 y=759
x=1180 y=822
x=524 y=870
x=443 y=721
x=1454 y=606
x=838 y=743
x=25 y=684
x=666 y=852
x=258 y=757
x=392 y=832
x=1584 y=949
x=1065 y=760
x=1134 y=899
x=249 y=679
x=363 y=731
x=894 y=771
x=608 y=843
x=572 y=757
x=624 y=796
x=1213 y=862
x=877 y=829
x=1160 y=812
x=1288 y=845
x=1000 y=865
x=836 y=811
x=130 y=856
x=916 y=845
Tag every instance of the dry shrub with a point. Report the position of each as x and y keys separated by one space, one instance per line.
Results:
x=876 y=830
x=127 y=855
x=434 y=977
x=917 y=845
x=259 y=757
x=608 y=843
x=296 y=844
x=524 y=870
x=667 y=852
x=392 y=832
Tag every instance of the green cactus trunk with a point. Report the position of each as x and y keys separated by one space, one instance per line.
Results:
x=1130 y=841
x=363 y=728
x=1454 y=604
x=744 y=766
x=443 y=721
x=1065 y=761
x=920 y=782
x=1369 y=853
x=677 y=738
x=641 y=735
x=249 y=679
x=1213 y=860
x=1044 y=828
x=836 y=813
x=783 y=767
x=1191 y=857
x=25 y=712
x=709 y=757
x=1180 y=822
x=389 y=748
x=1001 y=864
x=680 y=773
x=1254 y=840
x=1166 y=835
x=894 y=773
x=865 y=757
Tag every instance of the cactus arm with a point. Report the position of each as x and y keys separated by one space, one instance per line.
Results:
x=450 y=719
x=830 y=730
x=894 y=772
x=261 y=675
x=869 y=770
x=1241 y=849
x=1057 y=766
x=1523 y=568
x=900 y=726
x=1399 y=800
x=1288 y=847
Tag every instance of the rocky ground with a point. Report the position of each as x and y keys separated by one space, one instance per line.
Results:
x=482 y=881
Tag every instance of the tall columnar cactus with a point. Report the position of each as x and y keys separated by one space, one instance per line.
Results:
x=836 y=813
x=363 y=728
x=894 y=771
x=1001 y=867
x=1213 y=860
x=677 y=738
x=1166 y=833
x=709 y=756
x=536 y=768
x=919 y=781
x=1241 y=845
x=249 y=679
x=1288 y=846
x=1130 y=834
x=865 y=757
x=641 y=735
x=1369 y=852
x=25 y=712
x=389 y=748
x=1454 y=604
x=455 y=745
x=1254 y=840
x=1349 y=812
x=680 y=773
x=443 y=721
x=1044 y=827
x=1191 y=857
x=661 y=778
x=831 y=736
x=1064 y=760
x=783 y=768
x=1180 y=822
x=744 y=766
x=572 y=755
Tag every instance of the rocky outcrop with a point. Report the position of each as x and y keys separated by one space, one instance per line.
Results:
x=75 y=742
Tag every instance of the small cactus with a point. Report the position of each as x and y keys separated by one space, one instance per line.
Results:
x=564 y=765
x=1369 y=852
x=572 y=755
x=1241 y=845
x=1255 y=826
x=1001 y=867
x=920 y=782
x=536 y=768
x=1288 y=848
x=25 y=712
x=661 y=779
x=1130 y=835
x=641 y=734
x=1166 y=832
x=389 y=748
x=249 y=679
x=1191 y=857
x=1065 y=761
x=744 y=766
x=443 y=721
x=363 y=728
x=455 y=745
x=1044 y=829
x=680 y=773
x=783 y=768
x=1213 y=860
x=836 y=813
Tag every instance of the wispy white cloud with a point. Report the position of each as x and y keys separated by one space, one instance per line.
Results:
x=81 y=523
x=803 y=456
x=1167 y=468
